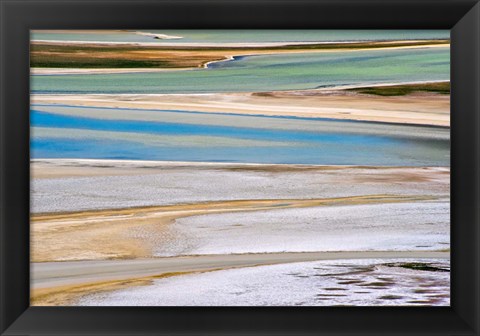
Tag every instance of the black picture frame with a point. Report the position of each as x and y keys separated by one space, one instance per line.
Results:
x=17 y=17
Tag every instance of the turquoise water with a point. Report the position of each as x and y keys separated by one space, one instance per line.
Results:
x=55 y=134
x=242 y=36
x=265 y=73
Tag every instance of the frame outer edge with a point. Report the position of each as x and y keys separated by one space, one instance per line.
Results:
x=3 y=307
x=3 y=176
x=14 y=271
x=477 y=169
x=466 y=175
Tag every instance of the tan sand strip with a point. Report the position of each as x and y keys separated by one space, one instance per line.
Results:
x=64 y=168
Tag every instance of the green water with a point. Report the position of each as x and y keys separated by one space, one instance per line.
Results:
x=267 y=72
x=242 y=36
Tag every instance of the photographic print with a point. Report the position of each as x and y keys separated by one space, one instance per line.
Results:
x=240 y=167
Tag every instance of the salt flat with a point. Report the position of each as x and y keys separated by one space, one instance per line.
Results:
x=395 y=226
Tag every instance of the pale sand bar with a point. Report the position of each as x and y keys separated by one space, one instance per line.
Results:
x=417 y=108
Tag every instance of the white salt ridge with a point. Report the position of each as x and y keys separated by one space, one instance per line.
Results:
x=323 y=283
x=394 y=226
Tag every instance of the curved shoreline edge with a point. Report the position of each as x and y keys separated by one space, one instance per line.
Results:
x=228 y=56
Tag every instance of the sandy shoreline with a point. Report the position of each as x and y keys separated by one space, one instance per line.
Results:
x=417 y=109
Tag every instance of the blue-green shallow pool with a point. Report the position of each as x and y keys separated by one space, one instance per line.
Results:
x=266 y=73
x=58 y=135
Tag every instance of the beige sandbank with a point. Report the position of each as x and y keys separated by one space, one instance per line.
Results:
x=417 y=108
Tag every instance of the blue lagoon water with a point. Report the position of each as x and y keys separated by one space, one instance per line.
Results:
x=288 y=140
